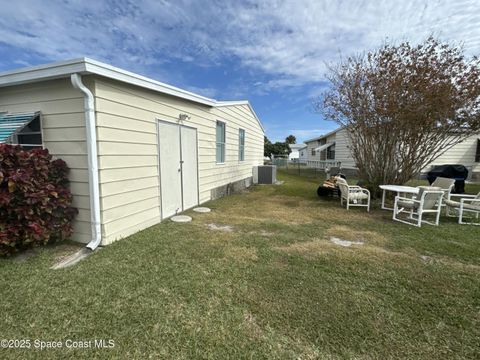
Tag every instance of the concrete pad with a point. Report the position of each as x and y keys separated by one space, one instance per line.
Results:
x=181 y=218
x=202 y=209
x=226 y=228
x=345 y=243
x=73 y=259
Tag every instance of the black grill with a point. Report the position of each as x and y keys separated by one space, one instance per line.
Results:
x=457 y=172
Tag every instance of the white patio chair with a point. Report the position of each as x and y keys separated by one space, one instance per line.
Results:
x=428 y=201
x=446 y=185
x=353 y=195
x=467 y=204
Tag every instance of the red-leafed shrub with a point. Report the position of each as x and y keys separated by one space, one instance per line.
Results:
x=35 y=201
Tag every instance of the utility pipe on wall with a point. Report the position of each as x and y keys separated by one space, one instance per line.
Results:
x=92 y=161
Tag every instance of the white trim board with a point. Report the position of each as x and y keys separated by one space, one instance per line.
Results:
x=86 y=66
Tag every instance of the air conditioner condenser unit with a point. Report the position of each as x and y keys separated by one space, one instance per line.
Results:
x=265 y=174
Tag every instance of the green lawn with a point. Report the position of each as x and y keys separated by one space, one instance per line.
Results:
x=273 y=287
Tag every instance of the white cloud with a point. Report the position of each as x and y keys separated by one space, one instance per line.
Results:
x=204 y=91
x=286 y=41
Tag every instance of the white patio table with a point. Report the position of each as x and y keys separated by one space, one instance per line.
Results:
x=399 y=189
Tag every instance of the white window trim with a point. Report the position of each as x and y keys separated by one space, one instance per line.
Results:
x=224 y=142
x=240 y=146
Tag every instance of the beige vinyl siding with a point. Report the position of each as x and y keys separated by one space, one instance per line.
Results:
x=63 y=133
x=342 y=151
x=314 y=144
x=128 y=151
x=462 y=153
x=310 y=146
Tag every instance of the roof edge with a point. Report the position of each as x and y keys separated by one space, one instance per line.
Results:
x=85 y=66
x=43 y=72
x=240 y=102
x=112 y=72
x=324 y=135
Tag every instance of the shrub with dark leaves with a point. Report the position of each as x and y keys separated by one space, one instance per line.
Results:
x=35 y=201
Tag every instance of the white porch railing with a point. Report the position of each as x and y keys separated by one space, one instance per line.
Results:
x=323 y=164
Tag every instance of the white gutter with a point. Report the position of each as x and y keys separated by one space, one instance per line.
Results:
x=92 y=161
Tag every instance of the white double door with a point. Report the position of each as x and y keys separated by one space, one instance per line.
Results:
x=178 y=160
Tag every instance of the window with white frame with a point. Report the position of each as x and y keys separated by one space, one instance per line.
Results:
x=241 y=144
x=220 y=142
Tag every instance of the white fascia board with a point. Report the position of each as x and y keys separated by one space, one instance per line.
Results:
x=231 y=103
x=324 y=136
x=42 y=72
x=86 y=66
x=256 y=117
x=241 y=102
x=112 y=72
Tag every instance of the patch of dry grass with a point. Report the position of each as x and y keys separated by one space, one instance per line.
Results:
x=252 y=327
x=308 y=249
x=303 y=211
x=241 y=254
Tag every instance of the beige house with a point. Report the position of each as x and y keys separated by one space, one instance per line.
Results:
x=332 y=149
x=329 y=150
x=139 y=150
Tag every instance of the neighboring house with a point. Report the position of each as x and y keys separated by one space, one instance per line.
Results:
x=139 y=150
x=329 y=150
x=295 y=154
x=332 y=149
x=466 y=153
x=302 y=154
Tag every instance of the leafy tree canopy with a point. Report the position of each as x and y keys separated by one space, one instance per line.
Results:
x=291 y=139
x=403 y=106
x=277 y=148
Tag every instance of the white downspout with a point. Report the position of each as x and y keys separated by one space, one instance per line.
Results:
x=92 y=161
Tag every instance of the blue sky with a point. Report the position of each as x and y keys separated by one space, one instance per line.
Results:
x=273 y=53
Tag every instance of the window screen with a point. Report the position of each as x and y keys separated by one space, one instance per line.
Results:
x=220 y=140
x=241 y=145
